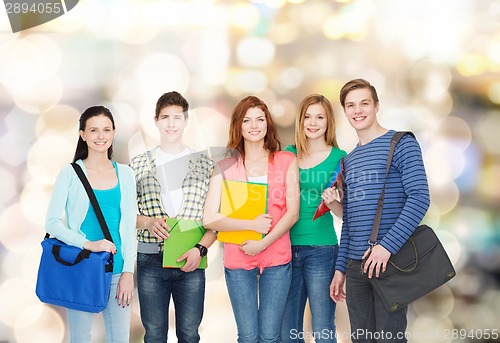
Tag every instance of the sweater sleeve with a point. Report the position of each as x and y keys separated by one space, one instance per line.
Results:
x=409 y=163
x=344 y=235
x=128 y=225
x=54 y=222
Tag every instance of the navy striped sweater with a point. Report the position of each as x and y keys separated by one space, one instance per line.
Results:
x=406 y=196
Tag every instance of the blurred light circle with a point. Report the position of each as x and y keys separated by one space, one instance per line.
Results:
x=34 y=201
x=131 y=23
x=284 y=33
x=38 y=95
x=15 y=296
x=283 y=113
x=243 y=15
x=489 y=183
x=456 y=130
x=494 y=92
x=158 y=73
x=201 y=132
x=9 y=189
x=28 y=61
x=444 y=195
x=255 y=52
x=438 y=303
x=288 y=79
x=487 y=132
x=430 y=79
x=59 y=119
x=444 y=161
x=58 y=148
x=429 y=329
x=252 y=81
x=272 y=3
x=39 y=323
x=231 y=86
x=311 y=15
x=14 y=224
x=472 y=64
x=451 y=244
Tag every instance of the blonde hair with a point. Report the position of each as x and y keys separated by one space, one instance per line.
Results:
x=300 y=135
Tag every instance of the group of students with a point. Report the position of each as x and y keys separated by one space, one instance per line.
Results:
x=269 y=281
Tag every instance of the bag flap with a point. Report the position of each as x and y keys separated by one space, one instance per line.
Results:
x=420 y=243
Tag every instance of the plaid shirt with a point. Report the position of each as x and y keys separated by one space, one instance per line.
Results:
x=194 y=188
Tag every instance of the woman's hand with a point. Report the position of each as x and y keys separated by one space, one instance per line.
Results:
x=262 y=224
x=102 y=245
x=125 y=289
x=252 y=247
x=330 y=195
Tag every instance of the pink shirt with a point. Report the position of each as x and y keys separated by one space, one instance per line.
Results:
x=280 y=251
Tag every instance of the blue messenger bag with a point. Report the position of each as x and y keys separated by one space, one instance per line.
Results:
x=72 y=277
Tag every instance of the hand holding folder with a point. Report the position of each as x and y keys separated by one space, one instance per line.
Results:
x=242 y=200
x=184 y=234
x=322 y=208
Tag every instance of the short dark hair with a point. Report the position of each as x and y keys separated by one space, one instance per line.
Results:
x=357 y=84
x=172 y=99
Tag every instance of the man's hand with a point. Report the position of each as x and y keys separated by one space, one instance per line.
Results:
x=337 y=287
x=377 y=261
x=192 y=257
x=158 y=228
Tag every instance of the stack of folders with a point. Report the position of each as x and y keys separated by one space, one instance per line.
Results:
x=184 y=235
x=242 y=200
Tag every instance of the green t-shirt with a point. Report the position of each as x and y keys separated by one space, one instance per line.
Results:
x=313 y=182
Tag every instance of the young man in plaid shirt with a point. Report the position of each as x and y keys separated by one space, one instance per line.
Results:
x=172 y=181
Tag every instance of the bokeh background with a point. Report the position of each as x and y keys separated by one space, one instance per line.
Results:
x=435 y=63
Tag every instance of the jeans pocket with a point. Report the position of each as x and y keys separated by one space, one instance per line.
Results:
x=143 y=259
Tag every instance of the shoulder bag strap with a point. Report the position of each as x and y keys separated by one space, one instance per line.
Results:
x=378 y=215
x=93 y=201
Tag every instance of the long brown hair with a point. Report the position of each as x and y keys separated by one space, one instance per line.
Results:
x=300 y=136
x=82 y=149
x=271 y=140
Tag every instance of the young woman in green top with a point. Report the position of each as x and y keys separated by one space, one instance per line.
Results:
x=314 y=243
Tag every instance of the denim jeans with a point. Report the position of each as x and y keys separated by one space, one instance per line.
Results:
x=155 y=287
x=258 y=301
x=370 y=321
x=312 y=272
x=116 y=320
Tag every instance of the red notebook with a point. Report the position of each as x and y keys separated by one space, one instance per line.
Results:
x=322 y=208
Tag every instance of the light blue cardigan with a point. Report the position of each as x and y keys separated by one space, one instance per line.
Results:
x=69 y=197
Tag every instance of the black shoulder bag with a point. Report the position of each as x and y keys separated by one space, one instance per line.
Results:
x=419 y=267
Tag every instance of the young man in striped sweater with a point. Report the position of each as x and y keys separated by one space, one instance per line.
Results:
x=406 y=202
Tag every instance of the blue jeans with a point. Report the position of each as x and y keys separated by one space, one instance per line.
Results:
x=370 y=321
x=155 y=286
x=312 y=272
x=258 y=301
x=116 y=320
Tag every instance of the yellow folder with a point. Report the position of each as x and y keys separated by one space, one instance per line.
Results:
x=242 y=200
x=184 y=234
